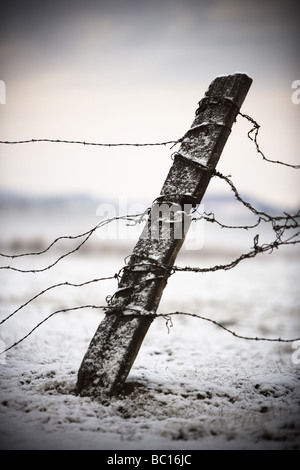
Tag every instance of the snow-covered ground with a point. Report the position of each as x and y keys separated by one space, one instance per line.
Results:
x=192 y=387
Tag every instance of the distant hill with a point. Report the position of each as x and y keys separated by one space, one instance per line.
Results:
x=222 y=203
x=18 y=199
x=211 y=202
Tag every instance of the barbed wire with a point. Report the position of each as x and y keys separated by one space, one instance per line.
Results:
x=280 y=224
x=253 y=135
x=86 y=234
x=62 y=310
x=82 y=142
x=54 y=286
x=166 y=316
x=251 y=254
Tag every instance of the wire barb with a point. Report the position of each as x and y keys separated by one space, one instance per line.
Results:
x=218 y=324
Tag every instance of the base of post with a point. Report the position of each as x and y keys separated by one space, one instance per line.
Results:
x=111 y=354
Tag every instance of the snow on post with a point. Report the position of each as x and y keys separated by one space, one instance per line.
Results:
x=132 y=309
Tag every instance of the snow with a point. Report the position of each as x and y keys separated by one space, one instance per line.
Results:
x=194 y=387
x=132 y=308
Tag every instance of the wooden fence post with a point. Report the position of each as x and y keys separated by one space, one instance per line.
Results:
x=132 y=309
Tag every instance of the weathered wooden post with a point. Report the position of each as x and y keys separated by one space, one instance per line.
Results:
x=132 y=309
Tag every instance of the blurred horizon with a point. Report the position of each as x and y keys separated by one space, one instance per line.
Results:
x=30 y=224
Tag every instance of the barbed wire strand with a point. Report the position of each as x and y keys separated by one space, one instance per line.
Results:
x=87 y=235
x=218 y=324
x=166 y=316
x=249 y=206
x=255 y=131
x=251 y=254
x=63 y=310
x=252 y=134
x=69 y=284
x=210 y=217
x=127 y=217
x=82 y=142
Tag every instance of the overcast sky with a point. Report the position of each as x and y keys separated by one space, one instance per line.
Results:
x=134 y=71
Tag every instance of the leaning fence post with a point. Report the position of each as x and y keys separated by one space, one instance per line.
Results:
x=116 y=343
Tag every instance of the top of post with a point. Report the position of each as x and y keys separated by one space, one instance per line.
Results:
x=232 y=87
x=214 y=118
